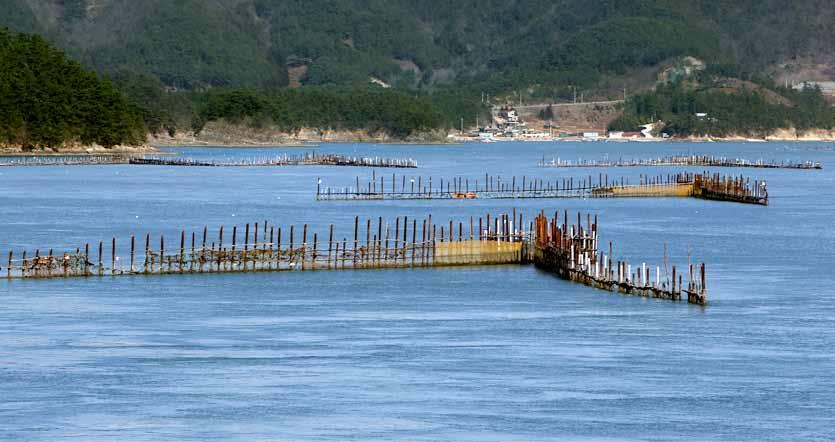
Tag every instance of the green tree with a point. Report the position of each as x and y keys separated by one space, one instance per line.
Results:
x=48 y=100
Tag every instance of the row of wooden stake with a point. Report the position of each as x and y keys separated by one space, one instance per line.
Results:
x=265 y=247
x=570 y=251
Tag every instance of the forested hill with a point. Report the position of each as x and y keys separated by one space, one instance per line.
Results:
x=175 y=65
x=47 y=100
x=497 y=44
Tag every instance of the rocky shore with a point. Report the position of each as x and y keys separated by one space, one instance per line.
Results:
x=219 y=133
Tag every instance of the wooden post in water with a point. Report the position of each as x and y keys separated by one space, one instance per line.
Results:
x=367 y=255
x=147 y=252
x=256 y=256
x=423 y=245
x=234 y=247
x=86 y=258
x=203 y=250
x=272 y=245
x=191 y=260
x=315 y=246
x=219 y=248
x=291 y=251
x=432 y=242
x=379 y=241
x=182 y=256
x=304 y=245
x=132 y=252
x=344 y=250
x=386 y=255
x=673 y=291
x=336 y=257
x=414 y=238
x=35 y=260
x=278 y=250
x=330 y=244
x=246 y=246
x=396 y=239
x=356 y=234
x=161 y=253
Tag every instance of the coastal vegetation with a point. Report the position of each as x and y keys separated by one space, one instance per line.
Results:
x=369 y=109
x=47 y=100
x=712 y=108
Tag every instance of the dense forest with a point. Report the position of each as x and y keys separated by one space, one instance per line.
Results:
x=47 y=100
x=372 y=110
x=492 y=45
x=394 y=111
x=172 y=65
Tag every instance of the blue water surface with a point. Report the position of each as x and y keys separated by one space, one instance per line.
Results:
x=475 y=354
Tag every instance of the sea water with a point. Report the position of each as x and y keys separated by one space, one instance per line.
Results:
x=476 y=354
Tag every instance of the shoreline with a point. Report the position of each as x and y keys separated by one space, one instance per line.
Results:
x=82 y=151
x=654 y=140
x=312 y=144
x=222 y=133
x=158 y=148
x=241 y=145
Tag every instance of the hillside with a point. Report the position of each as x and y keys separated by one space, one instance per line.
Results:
x=489 y=44
x=708 y=104
x=370 y=110
x=175 y=61
x=48 y=101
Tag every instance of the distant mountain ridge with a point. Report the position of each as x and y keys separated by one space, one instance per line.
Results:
x=194 y=44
